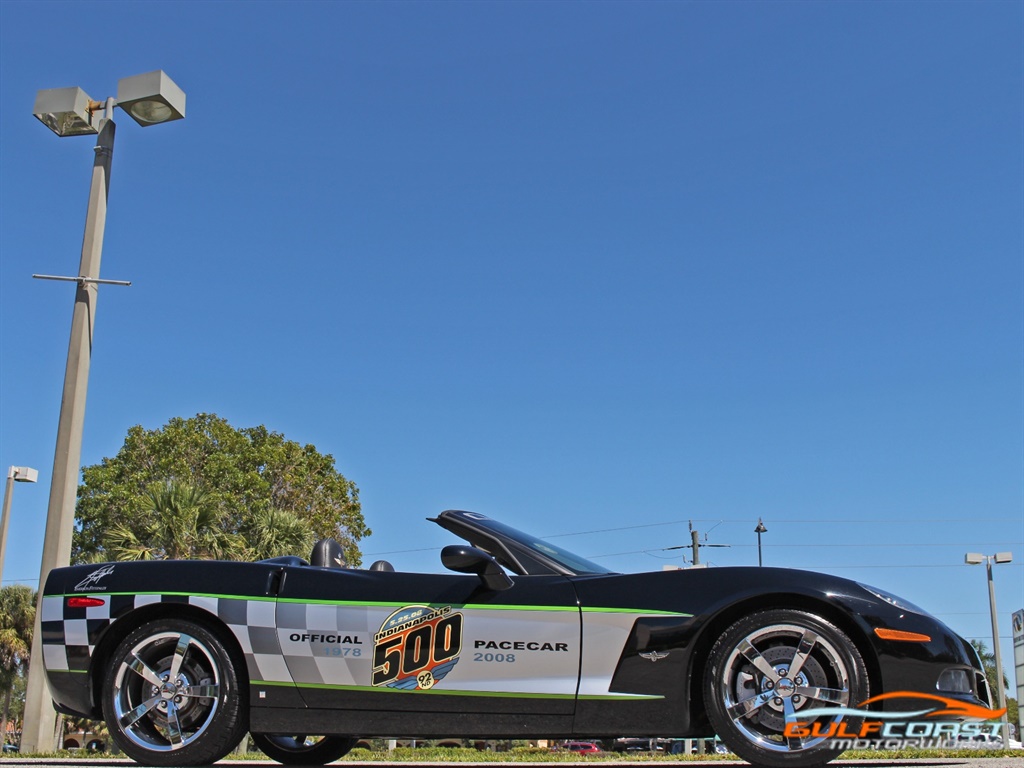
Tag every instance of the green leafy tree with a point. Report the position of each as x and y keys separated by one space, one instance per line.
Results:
x=16 y=712
x=253 y=477
x=17 y=618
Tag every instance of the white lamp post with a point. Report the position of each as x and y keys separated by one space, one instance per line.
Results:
x=149 y=99
x=972 y=558
x=14 y=475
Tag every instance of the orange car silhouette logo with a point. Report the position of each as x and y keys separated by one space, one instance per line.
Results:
x=947 y=708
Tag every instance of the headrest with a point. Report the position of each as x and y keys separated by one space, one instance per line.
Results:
x=327 y=554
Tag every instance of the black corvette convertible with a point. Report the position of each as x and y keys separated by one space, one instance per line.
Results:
x=524 y=640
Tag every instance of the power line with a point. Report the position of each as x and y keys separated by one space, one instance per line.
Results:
x=859 y=521
x=901 y=545
x=870 y=545
x=829 y=567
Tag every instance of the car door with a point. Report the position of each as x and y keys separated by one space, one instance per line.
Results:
x=428 y=641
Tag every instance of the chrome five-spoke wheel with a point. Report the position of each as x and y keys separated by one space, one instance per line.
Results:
x=171 y=696
x=768 y=669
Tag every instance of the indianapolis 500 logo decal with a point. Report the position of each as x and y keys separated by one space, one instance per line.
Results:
x=416 y=646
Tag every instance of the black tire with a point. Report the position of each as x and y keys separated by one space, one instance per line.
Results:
x=749 y=690
x=294 y=750
x=172 y=695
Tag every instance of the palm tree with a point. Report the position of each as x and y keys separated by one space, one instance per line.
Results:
x=181 y=521
x=17 y=618
x=275 y=532
x=97 y=728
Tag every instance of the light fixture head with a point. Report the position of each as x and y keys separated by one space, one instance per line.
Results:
x=23 y=474
x=1004 y=557
x=760 y=527
x=973 y=558
x=65 y=111
x=151 y=98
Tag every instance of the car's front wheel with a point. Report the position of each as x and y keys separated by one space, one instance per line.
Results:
x=302 y=749
x=779 y=667
x=171 y=695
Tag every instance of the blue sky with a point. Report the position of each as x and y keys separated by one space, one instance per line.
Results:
x=596 y=269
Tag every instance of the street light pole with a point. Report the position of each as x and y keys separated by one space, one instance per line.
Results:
x=40 y=718
x=1005 y=727
x=759 y=530
x=999 y=557
x=14 y=475
x=149 y=99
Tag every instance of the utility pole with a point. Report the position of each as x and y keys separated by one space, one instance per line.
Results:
x=695 y=546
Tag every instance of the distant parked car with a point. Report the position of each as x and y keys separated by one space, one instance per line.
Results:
x=11 y=748
x=581 y=747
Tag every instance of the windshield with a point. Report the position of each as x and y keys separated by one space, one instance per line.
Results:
x=563 y=557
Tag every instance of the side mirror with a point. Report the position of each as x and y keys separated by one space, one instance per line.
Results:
x=466 y=559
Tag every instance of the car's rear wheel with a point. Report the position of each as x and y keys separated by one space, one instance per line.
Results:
x=769 y=668
x=171 y=695
x=301 y=749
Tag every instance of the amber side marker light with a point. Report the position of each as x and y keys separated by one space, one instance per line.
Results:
x=899 y=634
x=85 y=602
